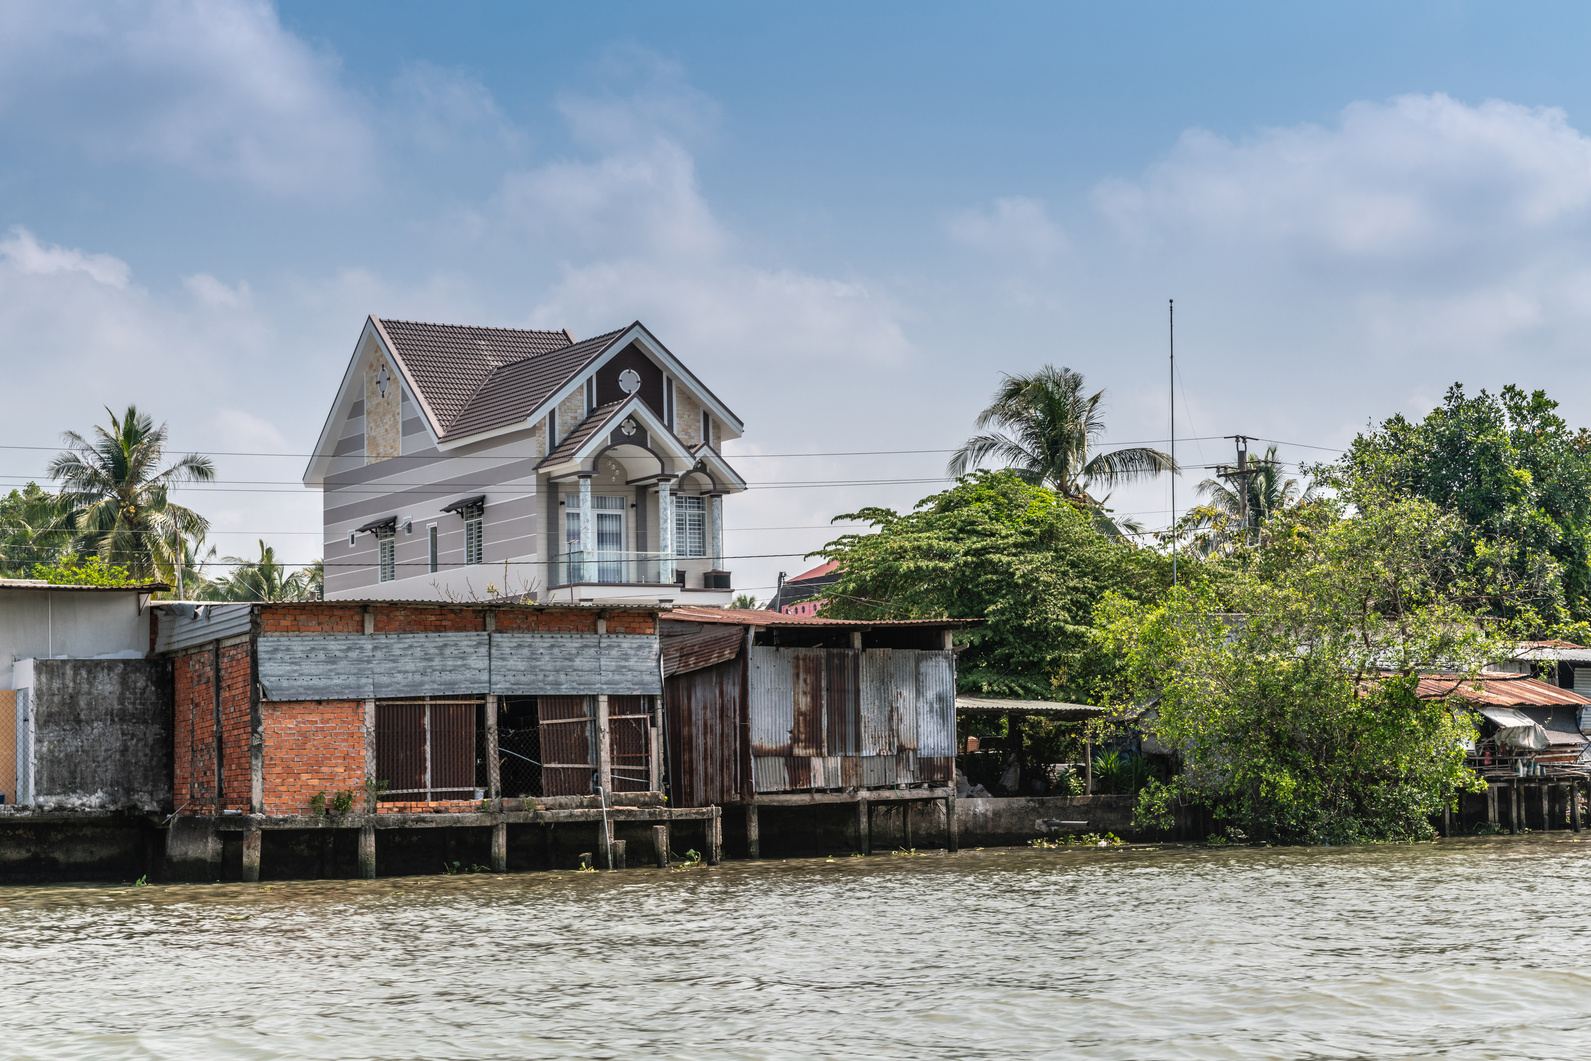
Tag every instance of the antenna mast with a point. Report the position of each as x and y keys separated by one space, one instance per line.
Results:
x=1171 y=336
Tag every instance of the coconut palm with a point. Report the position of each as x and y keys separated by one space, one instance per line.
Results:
x=1047 y=424
x=262 y=580
x=1218 y=523
x=114 y=496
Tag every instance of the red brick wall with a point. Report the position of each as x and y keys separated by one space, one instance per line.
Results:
x=193 y=769
x=406 y=619
x=334 y=618
x=632 y=623
x=315 y=618
x=311 y=747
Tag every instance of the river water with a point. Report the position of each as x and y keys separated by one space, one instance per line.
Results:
x=1461 y=949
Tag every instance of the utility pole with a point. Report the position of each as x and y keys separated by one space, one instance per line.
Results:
x=1239 y=475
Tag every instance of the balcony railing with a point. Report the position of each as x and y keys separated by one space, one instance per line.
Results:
x=613 y=568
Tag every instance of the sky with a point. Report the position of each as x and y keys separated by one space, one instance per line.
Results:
x=849 y=220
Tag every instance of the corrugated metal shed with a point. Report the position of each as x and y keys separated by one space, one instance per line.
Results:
x=182 y=626
x=1498 y=688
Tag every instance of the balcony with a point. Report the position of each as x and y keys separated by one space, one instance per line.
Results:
x=610 y=568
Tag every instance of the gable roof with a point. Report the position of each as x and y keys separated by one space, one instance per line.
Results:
x=510 y=391
x=591 y=425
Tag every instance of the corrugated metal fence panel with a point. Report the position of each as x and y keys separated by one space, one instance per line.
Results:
x=400 y=749
x=841 y=692
x=574 y=664
x=181 y=626
x=423 y=664
x=565 y=745
x=936 y=705
x=905 y=702
x=772 y=704
x=807 y=666
x=876 y=705
x=770 y=773
x=705 y=750
x=317 y=668
x=705 y=649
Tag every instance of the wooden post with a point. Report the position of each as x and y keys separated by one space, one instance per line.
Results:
x=251 y=855
x=864 y=842
x=1447 y=820
x=715 y=837
x=753 y=832
x=367 y=852
x=952 y=837
x=906 y=822
x=660 y=845
x=1516 y=806
x=618 y=850
x=1088 y=766
x=1546 y=812
x=500 y=847
x=604 y=746
x=1491 y=804
x=1574 y=805
x=654 y=750
x=494 y=765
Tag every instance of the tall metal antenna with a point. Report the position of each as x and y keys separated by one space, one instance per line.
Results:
x=1171 y=336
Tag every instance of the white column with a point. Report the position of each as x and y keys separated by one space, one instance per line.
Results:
x=665 y=531
x=716 y=503
x=587 y=542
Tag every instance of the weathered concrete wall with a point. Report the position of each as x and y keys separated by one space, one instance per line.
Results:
x=69 y=622
x=102 y=734
x=79 y=847
x=997 y=822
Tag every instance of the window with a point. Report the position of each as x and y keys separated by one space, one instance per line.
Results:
x=474 y=517
x=690 y=526
x=607 y=518
x=387 y=542
x=430 y=535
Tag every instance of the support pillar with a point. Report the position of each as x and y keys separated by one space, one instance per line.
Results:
x=1574 y=805
x=500 y=847
x=715 y=837
x=952 y=837
x=660 y=845
x=494 y=764
x=1491 y=804
x=1515 y=807
x=618 y=849
x=715 y=505
x=367 y=852
x=864 y=841
x=1088 y=766
x=604 y=748
x=587 y=542
x=665 y=531
x=251 y=856
x=1447 y=820
x=753 y=832
x=1546 y=807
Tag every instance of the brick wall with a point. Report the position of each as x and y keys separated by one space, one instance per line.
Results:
x=546 y=622
x=311 y=747
x=318 y=618
x=333 y=618
x=407 y=619
x=193 y=730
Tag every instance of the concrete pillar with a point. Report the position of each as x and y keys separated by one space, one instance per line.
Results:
x=951 y=833
x=494 y=765
x=1491 y=804
x=660 y=845
x=500 y=847
x=588 y=541
x=367 y=852
x=251 y=855
x=604 y=749
x=715 y=505
x=753 y=832
x=655 y=746
x=619 y=848
x=864 y=841
x=665 y=531
x=715 y=837
x=1574 y=805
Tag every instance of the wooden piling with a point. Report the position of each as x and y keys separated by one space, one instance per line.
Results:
x=1574 y=805
x=864 y=842
x=367 y=852
x=500 y=848
x=660 y=845
x=1447 y=820
x=251 y=855
x=715 y=837
x=1546 y=811
x=753 y=832
x=1491 y=804
x=1516 y=807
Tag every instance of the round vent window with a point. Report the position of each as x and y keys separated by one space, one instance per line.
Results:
x=629 y=381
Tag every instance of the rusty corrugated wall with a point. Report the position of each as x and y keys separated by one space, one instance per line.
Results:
x=705 y=746
x=566 y=740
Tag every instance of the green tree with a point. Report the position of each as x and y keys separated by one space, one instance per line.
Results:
x=1518 y=477
x=114 y=494
x=30 y=531
x=84 y=571
x=1218 y=526
x=744 y=600
x=1047 y=425
x=1014 y=556
x=263 y=579
x=1289 y=696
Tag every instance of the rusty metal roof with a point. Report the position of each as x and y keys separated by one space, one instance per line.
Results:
x=1552 y=650
x=691 y=652
x=760 y=617
x=1499 y=689
x=39 y=583
x=988 y=705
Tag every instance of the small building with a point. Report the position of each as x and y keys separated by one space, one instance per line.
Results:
x=357 y=717
x=467 y=463
x=803 y=594
x=1558 y=663
x=768 y=709
x=85 y=717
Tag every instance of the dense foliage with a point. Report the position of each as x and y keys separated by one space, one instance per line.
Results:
x=1025 y=562
x=1288 y=699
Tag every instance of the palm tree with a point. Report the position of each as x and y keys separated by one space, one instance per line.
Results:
x=116 y=503
x=1048 y=424
x=261 y=580
x=1218 y=523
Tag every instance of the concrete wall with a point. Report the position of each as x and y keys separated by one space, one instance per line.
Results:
x=1014 y=821
x=102 y=734
x=81 y=623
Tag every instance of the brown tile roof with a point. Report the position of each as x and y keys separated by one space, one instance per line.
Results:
x=1498 y=689
x=474 y=379
x=583 y=431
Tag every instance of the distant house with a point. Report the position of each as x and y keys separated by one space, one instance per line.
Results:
x=803 y=595
x=471 y=463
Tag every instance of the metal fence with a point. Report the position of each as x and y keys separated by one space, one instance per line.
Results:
x=429 y=748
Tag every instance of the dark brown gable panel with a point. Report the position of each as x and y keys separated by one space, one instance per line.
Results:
x=631 y=357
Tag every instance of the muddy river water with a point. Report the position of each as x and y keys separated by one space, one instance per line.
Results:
x=1462 y=949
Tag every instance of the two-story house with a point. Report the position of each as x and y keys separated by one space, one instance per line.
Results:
x=468 y=463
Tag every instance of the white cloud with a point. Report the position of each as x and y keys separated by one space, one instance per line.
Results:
x=1016 y=228
x=213 y=293
x=23 y=252
x=217 y=87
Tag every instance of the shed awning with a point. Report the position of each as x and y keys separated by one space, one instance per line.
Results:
x=384 y=523
x=466 y=503
x=988 y=705
x=1507 y=717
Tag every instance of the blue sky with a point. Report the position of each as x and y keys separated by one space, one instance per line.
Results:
x=848 y=218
